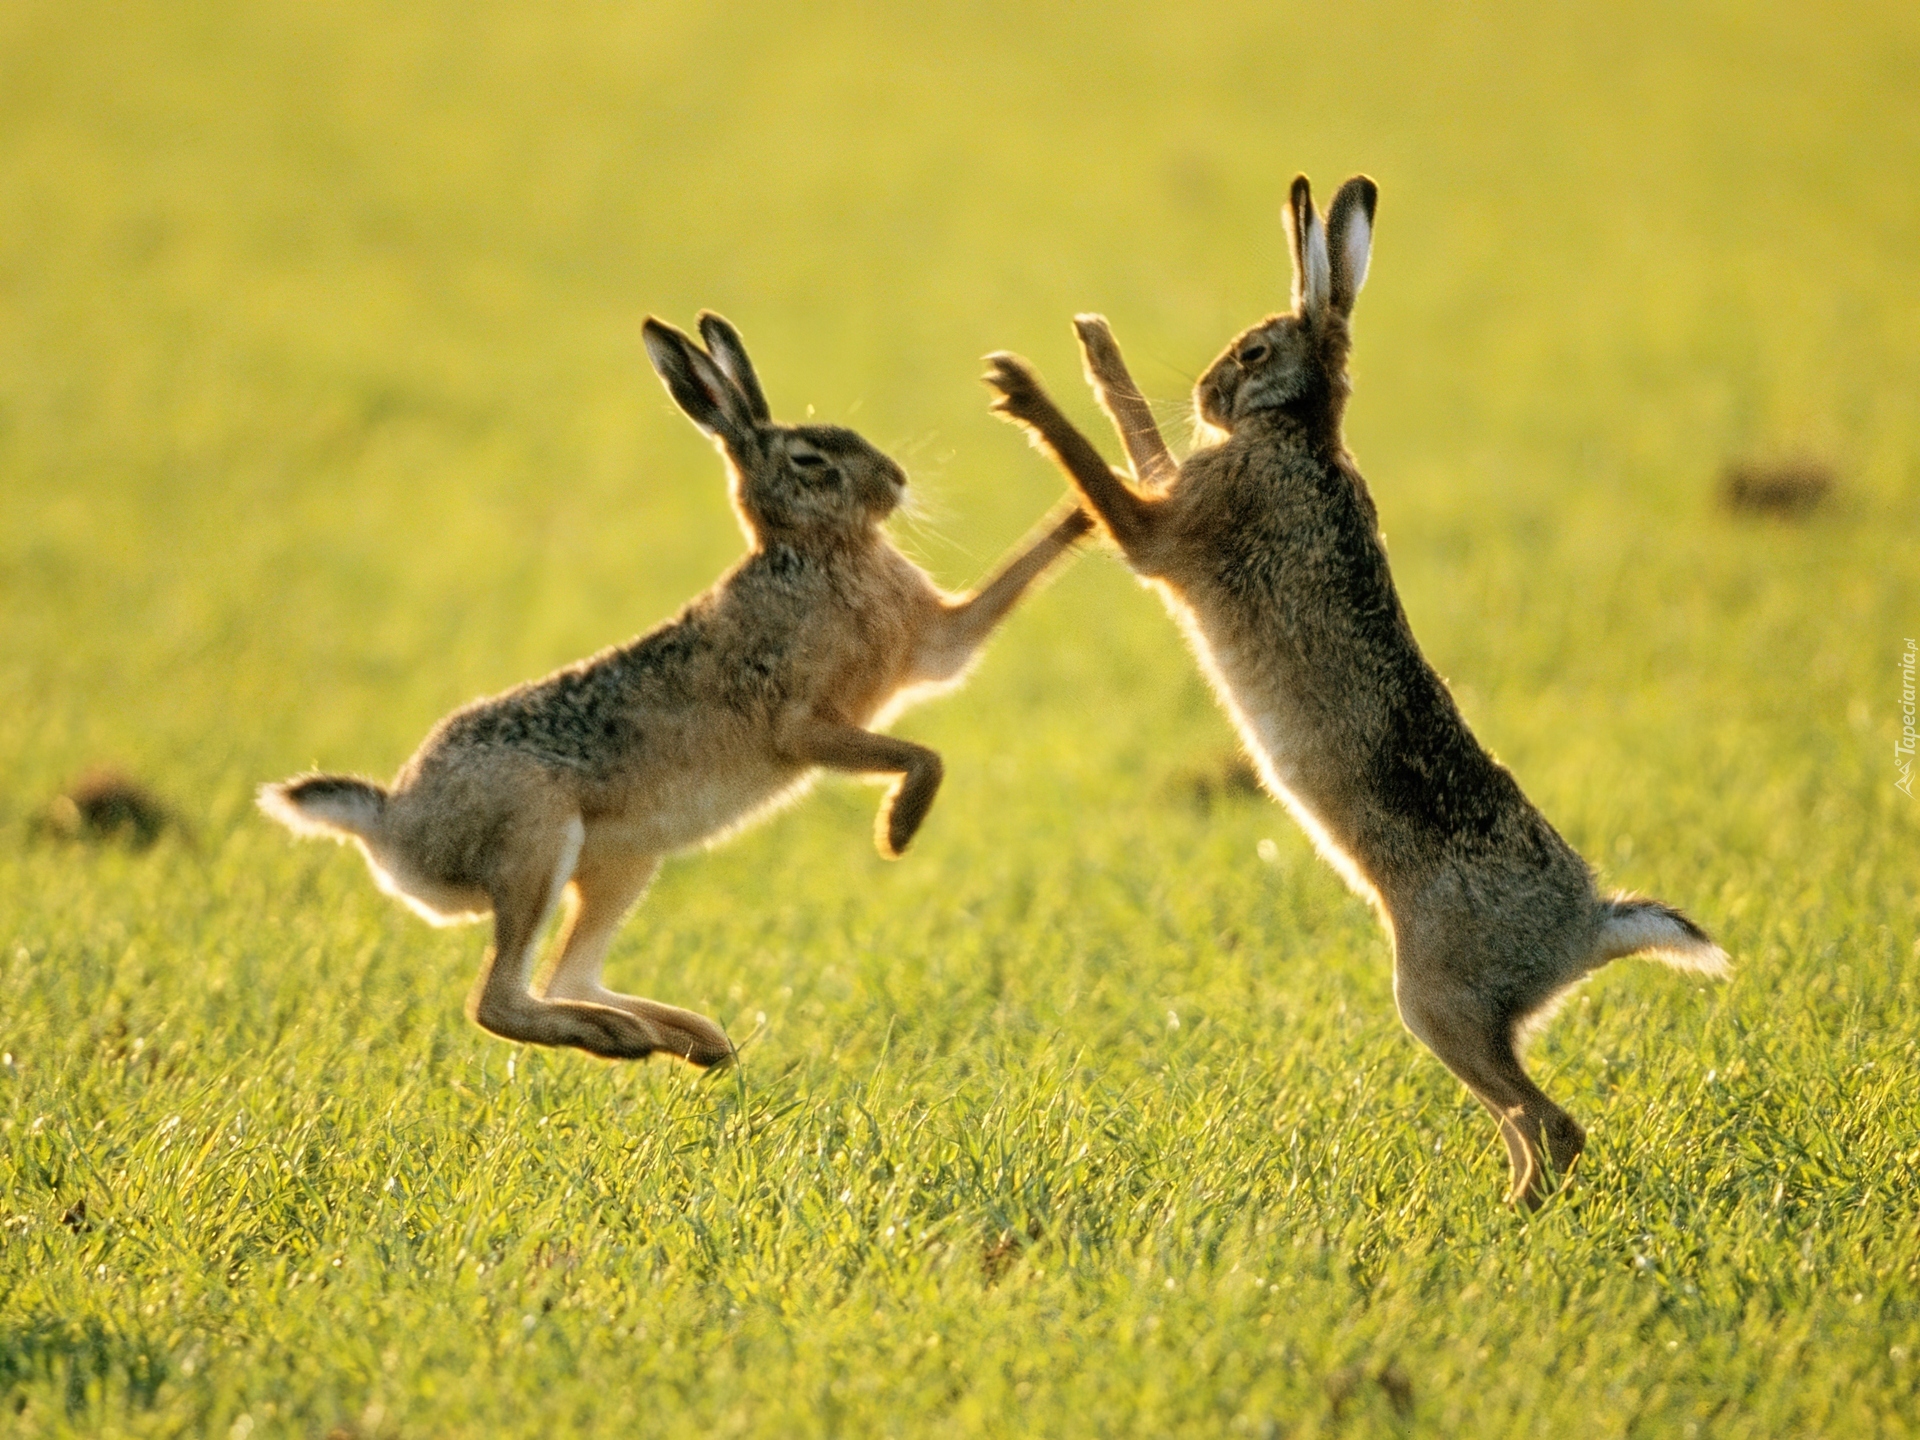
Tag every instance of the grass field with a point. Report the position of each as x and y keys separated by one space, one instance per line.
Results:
x=323 y=409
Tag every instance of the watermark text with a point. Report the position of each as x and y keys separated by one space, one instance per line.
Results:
x=1903 y=746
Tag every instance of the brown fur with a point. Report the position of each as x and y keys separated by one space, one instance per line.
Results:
x=1266 y=548
x=575 y=786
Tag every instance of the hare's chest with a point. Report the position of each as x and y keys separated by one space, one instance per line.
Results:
x=1254 y=668
x=840 y=639
x=1242 y=592
x=857 y=662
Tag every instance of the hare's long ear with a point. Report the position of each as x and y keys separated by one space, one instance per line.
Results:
x=1350 y=228
x=730 y=354
x=1312 y=281
x=698 y=386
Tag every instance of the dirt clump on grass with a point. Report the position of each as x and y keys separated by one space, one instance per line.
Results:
x=106 y=806
x=1788 y=489
x=1344 y=1386
x=999 y=1254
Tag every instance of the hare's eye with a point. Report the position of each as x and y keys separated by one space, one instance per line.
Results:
x=807 y=460
x=1254 y=353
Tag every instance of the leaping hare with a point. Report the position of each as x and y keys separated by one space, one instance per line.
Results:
x=578 y=784
x=1265 y=545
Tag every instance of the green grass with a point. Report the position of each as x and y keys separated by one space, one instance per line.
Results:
x=323 y=408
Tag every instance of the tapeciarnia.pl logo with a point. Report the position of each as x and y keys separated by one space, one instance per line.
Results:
x=1903 y=747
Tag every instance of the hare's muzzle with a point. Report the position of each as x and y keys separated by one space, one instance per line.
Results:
x=882 y=488
x=1215 y=393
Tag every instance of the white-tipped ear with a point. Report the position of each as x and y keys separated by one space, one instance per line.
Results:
x=1318 y=287
x=1350 y=219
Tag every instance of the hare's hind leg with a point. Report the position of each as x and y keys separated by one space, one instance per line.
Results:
x=524 y=894
x=604 y=888
x=1475 y=1040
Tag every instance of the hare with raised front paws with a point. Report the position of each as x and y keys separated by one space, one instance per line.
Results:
x=1265 y=546
x=575 y=786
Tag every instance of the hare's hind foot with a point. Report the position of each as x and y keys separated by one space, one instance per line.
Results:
x=604 y=884
x=1474 y=1039
x=617 y=1027
x=600 y=1030
x=524 y=893
x=683 y=1034
x=1541 y=1156
x=690 y=1037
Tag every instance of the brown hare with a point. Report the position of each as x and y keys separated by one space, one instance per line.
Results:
x=578 y=784
x=1265 y=546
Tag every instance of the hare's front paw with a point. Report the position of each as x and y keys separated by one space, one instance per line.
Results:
x=1020 y=396
x=1073 y=526
x=1099 y=349
x=906 y=805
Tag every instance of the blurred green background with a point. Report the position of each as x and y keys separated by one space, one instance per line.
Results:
x=323 y=409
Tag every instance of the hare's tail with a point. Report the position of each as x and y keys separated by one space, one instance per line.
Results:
x=338 y=806
x=1633 y=926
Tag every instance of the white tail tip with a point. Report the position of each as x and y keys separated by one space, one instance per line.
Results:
x=1646 y=927
x=337 y=806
